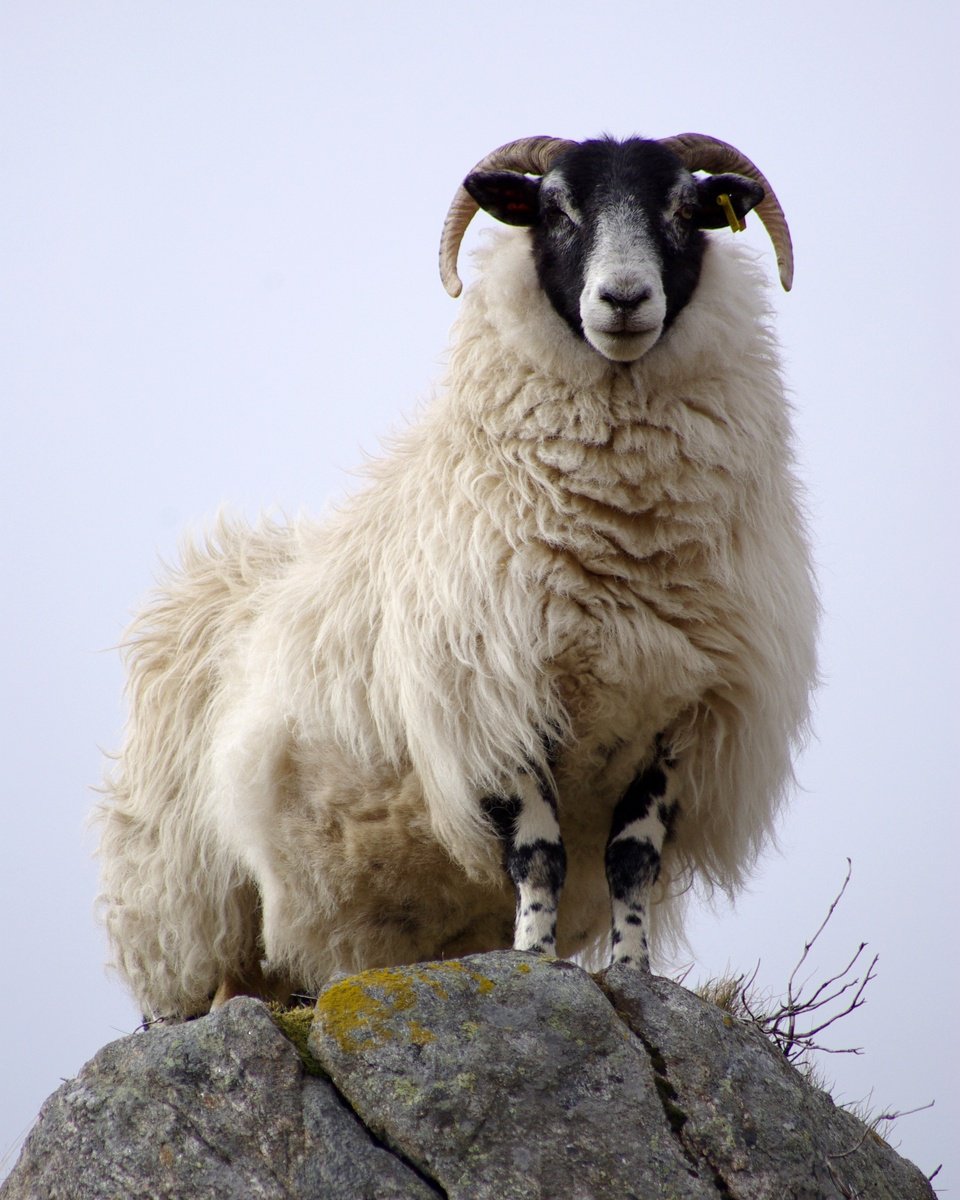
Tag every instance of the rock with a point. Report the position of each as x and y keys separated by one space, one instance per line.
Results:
x=499 y=1075
x=502 y=1075
x=219 y=1107
x=745 y=1115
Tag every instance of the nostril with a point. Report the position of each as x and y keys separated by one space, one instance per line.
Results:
x=625 y=301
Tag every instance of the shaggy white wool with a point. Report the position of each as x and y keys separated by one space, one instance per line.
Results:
x=561 y=547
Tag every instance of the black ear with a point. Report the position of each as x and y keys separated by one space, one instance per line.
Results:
x=742 y=195
x=506 y=195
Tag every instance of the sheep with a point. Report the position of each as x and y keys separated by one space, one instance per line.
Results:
x=544 y=671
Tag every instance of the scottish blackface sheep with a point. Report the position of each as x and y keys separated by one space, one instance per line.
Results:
x=547 y=669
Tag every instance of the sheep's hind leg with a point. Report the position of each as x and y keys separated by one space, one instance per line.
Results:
x=254 y=983
x=534 y=858
x=642 y=821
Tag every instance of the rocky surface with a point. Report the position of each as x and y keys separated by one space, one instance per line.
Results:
x=498 y=1075
x=219 y=1107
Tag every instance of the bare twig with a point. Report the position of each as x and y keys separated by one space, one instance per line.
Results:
x=790 y=1022
x=873 y=1127
x=823 y=924
x=795 y=1021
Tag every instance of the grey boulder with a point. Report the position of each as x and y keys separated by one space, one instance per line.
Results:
x=496 y=1076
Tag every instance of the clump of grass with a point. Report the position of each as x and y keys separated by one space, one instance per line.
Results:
x=295 y=1024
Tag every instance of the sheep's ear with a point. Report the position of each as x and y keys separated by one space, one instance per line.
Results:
x=506 y=195
x=723 y=199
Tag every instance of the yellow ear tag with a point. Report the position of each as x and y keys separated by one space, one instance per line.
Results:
x=734 y=221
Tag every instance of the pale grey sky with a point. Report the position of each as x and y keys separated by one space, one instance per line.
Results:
x=219 y=227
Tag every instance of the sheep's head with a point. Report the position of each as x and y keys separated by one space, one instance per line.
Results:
x=616 y=226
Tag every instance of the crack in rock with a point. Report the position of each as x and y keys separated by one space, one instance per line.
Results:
x=670 y=1102
x=677 y=1119
x=383 y=1144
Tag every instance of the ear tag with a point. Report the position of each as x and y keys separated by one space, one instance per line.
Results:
x=734 y=221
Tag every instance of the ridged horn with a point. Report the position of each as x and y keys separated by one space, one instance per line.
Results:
x=700 y=152
x=531 y=155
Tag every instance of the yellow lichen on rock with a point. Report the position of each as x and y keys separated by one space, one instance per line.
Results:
x=365 y=1011
x=361 y=1013
x=356 y=1018
x=456 y=967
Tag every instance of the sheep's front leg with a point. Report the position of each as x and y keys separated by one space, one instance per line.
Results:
x=534 y=858
x=641 y=823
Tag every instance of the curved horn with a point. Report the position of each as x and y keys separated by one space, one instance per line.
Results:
x=531 y=155
x=700 y=152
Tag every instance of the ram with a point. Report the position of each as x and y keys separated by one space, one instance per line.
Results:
x=544 y=671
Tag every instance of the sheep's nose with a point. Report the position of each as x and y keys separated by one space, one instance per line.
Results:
x=625 y=300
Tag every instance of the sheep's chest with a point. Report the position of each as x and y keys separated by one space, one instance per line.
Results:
x=636 y=562
x=632 y=503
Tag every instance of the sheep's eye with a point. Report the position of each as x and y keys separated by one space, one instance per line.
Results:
x=556 y=215
x=685 y=212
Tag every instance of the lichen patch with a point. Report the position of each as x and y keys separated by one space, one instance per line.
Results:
x=361 y=1013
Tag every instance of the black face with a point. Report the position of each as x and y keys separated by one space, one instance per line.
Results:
x=617 y=235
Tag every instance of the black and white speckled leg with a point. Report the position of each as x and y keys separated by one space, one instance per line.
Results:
x=641 y=823
x=534 y=858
